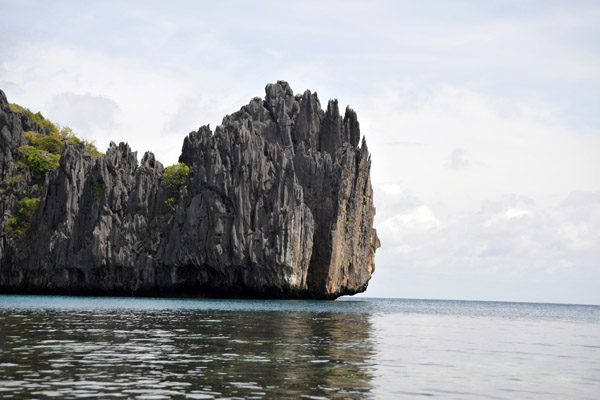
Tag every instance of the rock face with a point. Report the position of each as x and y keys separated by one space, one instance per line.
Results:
x=277 y=204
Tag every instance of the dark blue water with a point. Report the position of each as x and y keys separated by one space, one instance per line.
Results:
x=82 y=347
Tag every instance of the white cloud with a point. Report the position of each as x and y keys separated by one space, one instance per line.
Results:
x=532 y=154
x=524 y=205
x=84 y=111
x=501 y=237
x=516 y=213
x=45 y=72
x=459 y=159
x=118 y=99
x=414 y=221
x=481 y=120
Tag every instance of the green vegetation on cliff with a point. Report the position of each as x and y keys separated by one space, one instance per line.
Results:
x=37 y=117
x=37 y=160
x=20 y=223
x=42 y=151
x=175 y=175
x=40 y=155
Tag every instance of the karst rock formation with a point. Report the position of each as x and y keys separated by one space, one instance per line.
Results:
x=277 y=203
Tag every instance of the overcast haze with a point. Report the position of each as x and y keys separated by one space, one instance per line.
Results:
x=483 y=118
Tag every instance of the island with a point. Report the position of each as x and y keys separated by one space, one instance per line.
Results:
x=276 y=203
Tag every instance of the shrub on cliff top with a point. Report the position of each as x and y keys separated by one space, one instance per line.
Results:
x=175 y=175
x=66 y=135
x=42 y=152
x=37 y=117
x=59 y=135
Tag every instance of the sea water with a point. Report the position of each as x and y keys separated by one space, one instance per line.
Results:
x=142 y=348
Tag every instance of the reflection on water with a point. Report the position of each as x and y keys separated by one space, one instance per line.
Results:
x=199 y=354
x=75 y=347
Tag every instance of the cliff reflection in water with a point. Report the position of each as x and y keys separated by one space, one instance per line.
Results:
x=187 y=353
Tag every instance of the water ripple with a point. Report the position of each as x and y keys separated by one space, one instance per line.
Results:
x=205 y=349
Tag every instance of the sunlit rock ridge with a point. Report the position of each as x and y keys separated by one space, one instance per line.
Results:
x=277 y=203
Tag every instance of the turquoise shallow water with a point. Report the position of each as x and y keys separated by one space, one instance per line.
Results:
x=85 y=347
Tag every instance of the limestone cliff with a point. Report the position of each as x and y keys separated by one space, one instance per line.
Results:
x=277 y=204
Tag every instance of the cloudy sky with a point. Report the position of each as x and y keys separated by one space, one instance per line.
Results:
x=483 y=118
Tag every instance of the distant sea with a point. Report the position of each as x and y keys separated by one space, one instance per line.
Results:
x=146 y=348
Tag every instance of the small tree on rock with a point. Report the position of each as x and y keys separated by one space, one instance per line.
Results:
x=175 y=175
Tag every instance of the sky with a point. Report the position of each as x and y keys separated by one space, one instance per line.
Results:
x=483 y=118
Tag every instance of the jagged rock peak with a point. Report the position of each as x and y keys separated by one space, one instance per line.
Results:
x=277 y=203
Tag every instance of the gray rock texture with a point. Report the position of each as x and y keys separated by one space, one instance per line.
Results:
x=277 y=204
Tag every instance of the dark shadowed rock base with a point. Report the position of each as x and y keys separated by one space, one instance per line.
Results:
x=277 y=204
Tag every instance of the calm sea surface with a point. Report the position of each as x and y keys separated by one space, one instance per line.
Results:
x=83 y=347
